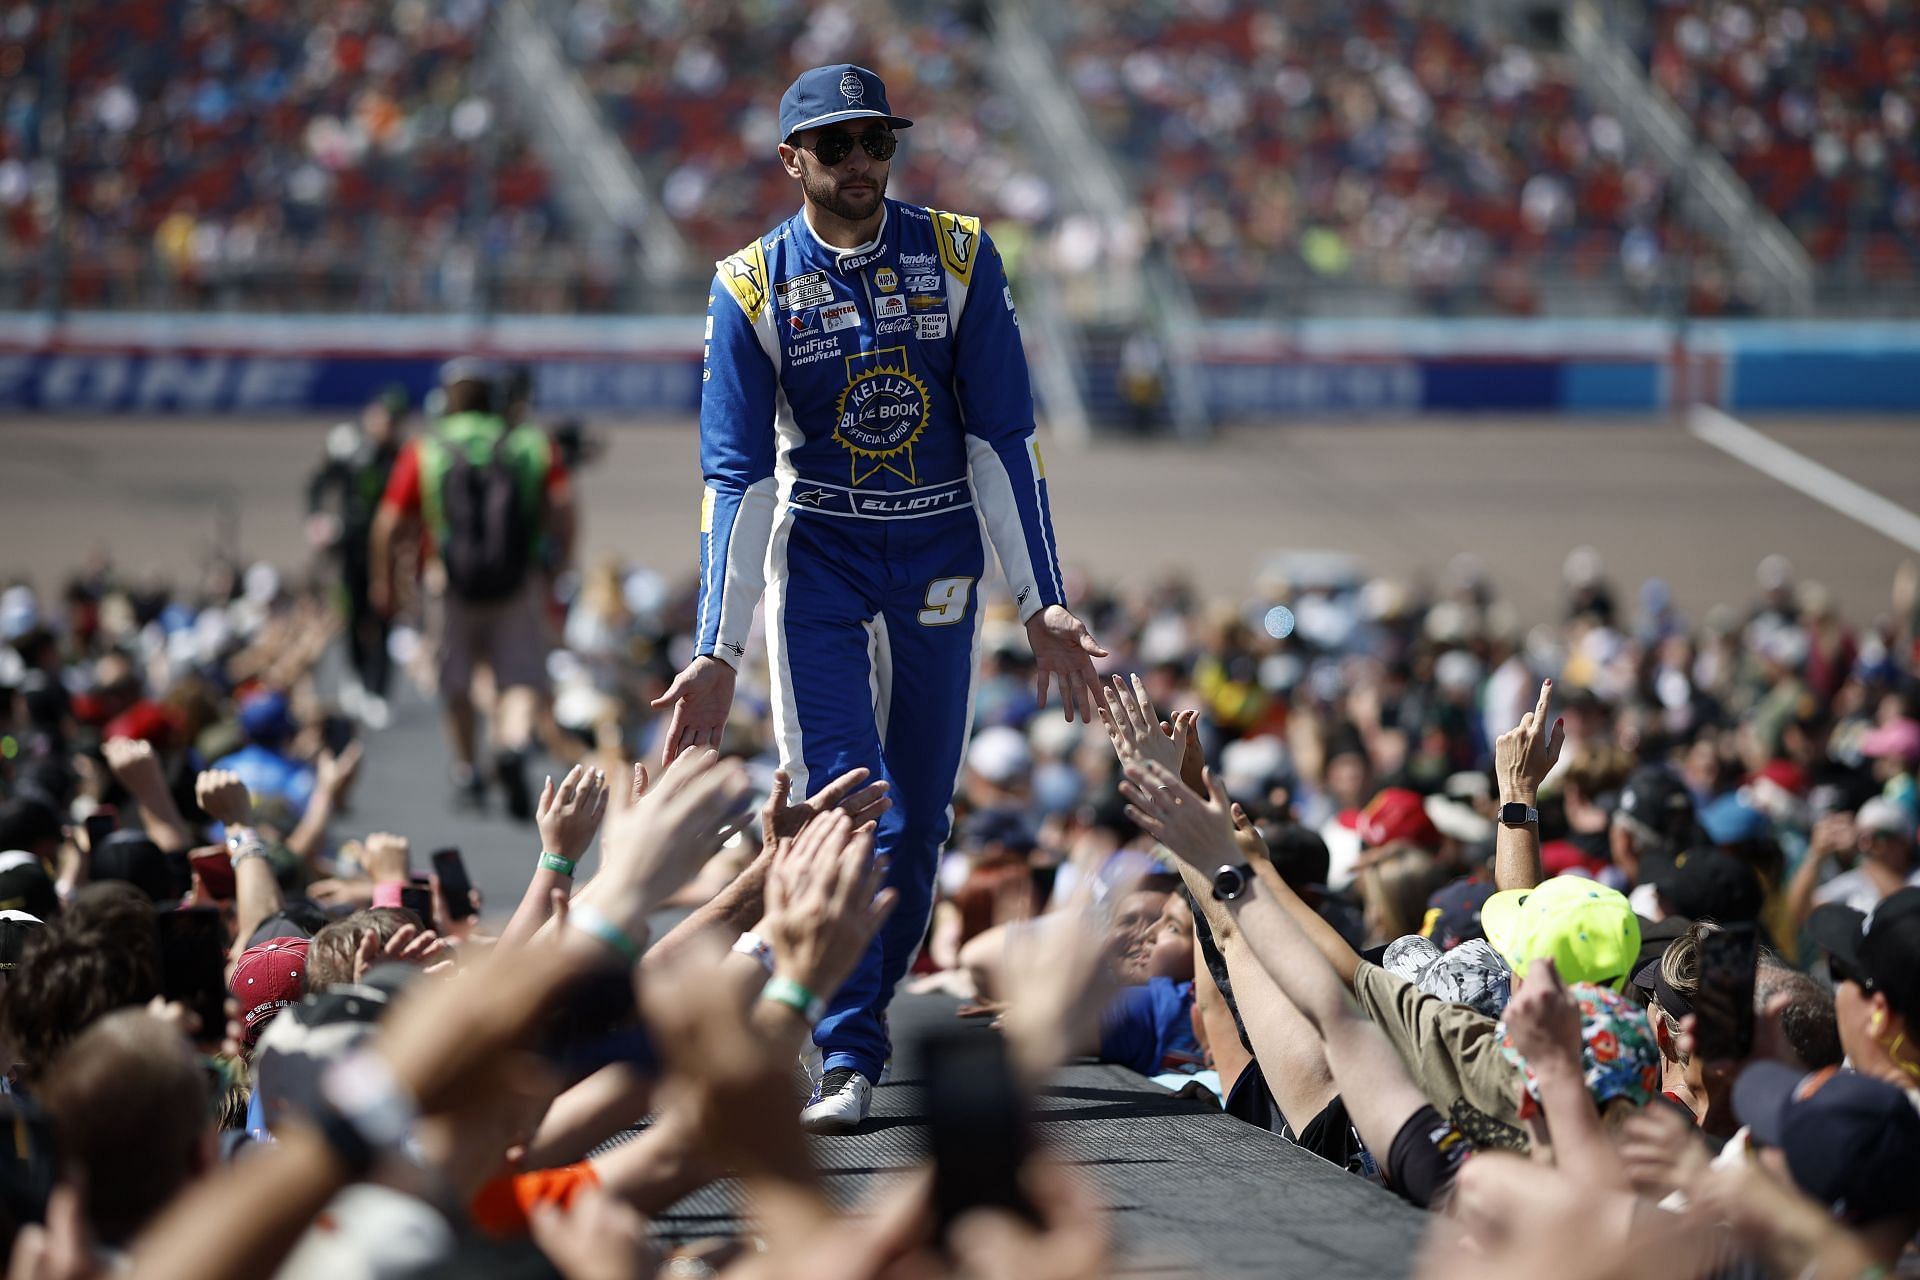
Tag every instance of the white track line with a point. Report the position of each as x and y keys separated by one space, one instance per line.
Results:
x=1797 y=471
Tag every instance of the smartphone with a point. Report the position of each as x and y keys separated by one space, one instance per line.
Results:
x=101 y=823
x=193 y=964
x=215 y=869
x=456 y=889
x=419 y=901
x=976 y=1126
x=338 y=733
x=1723 y=1006
x=596 y=1023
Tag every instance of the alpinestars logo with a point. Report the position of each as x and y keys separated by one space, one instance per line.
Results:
x=741 y=269
x=962 y=241
x=852 y=90
x=811 y=497
x=737 y=650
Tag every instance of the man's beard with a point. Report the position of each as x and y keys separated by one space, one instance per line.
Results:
x=824 y=191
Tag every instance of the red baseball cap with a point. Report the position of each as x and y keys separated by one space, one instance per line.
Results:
x=1397 y=814
x=270 y=976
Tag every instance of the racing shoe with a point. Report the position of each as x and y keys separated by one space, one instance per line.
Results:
x=840 y=1104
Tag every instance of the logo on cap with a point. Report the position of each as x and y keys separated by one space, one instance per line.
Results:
x=852 y=89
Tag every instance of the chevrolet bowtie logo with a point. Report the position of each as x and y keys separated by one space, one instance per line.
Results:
x=812 y=497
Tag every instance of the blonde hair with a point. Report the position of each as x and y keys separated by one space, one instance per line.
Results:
x=1396 y=887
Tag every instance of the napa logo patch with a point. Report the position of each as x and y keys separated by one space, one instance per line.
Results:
x=881 y=414
x=885 y=280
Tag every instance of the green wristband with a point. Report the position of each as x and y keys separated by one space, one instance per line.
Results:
x=597 y=926
x=554 y=862
x=796 y=997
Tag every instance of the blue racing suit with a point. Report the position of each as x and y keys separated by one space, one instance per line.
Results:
x=866 y=424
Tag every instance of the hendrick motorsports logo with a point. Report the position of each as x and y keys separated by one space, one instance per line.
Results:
x=881 y=414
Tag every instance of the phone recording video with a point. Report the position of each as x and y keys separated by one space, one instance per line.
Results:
x=193 y=964
x=100 y=824
x=214 y=866
x=976 y=1126
x=418 y=900
x=1723 y=1006
x=456 y=888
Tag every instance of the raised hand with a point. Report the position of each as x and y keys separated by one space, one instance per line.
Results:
x=654 y=847
x=700 y=696
x=408 y=945
x=1199 y=830
x=222 y=796
x=596 y=1237
x=388 y=857
x=1542 y=1018
x=1136 y=729
x=134 y=765
x=335 y=774
x=568 y=815
x=781 y=819
x=1524 y=755
x=1064 y=650
x=824 y=902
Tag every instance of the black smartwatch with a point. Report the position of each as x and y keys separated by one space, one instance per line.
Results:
x=1230 y=882
x=1518 y=815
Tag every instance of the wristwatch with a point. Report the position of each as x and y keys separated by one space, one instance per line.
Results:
x=1516 y=814
x=1230 y=882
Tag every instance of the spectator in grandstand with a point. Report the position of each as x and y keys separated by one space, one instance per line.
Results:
x=493 y=503
x=1879 y=840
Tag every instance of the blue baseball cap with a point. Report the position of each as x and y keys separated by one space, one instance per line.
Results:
x=832 y=95
x=265 y=716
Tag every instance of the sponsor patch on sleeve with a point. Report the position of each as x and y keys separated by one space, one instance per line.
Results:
x=957 y=238
x=745 y=275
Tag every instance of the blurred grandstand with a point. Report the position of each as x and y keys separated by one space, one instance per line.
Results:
x=1147 y=168
x=1291 y=158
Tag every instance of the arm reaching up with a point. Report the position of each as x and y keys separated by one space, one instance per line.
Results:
x=1523 y=756
x=1419 y=1150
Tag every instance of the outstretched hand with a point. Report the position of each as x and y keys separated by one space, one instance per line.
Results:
x=1064 y=650
x=1199 y=830
x=782 y=820
x=701 y=696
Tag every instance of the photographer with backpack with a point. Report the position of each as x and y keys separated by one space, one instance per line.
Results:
x=493 y=504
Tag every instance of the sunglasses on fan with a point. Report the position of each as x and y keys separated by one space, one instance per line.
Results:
x=835 y=145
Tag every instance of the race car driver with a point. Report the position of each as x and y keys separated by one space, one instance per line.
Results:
x=866 y=423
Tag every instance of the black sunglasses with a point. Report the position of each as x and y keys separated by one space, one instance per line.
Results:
x=835 y=145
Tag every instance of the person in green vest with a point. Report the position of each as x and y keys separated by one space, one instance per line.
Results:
x=494 y=511
x=343 y=494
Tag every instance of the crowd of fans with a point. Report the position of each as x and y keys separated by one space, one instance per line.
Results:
x=1815 y=106
x=217 y=153
x=1475 y=953
x=1388 y=143
x=244 y=153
